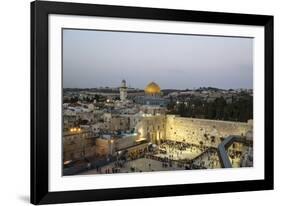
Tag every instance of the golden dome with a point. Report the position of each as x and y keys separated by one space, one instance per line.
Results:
x=152 y=89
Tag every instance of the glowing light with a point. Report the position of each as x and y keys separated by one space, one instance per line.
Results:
x=141 y=139
x=67 y=162
x=140 y=131
x=74 y=129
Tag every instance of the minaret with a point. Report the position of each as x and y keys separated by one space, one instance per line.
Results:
x=123 y=91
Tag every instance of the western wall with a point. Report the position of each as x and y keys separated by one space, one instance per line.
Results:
x=210 y=132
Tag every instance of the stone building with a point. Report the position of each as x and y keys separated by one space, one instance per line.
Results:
x=77 y=144
x=152 y=128
x=109 y=144
x=115 y=122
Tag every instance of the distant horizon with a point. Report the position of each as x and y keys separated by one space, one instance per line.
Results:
x=93 y=59
x=116 y=87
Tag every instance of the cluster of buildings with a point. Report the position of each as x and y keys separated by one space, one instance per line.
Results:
x=210 y=94
x=98 y=126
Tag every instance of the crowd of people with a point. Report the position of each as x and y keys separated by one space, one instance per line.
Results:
x=179 y=150
x=240 y=155
x=172 y=155
x=208 y=159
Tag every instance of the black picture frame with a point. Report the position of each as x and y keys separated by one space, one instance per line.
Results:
x=39 y=102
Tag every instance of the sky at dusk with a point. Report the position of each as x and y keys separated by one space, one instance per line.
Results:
x=104 y=58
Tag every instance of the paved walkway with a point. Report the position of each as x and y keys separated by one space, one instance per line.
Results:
x=140 y=165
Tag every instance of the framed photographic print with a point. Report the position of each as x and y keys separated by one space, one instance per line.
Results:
x=130 y=102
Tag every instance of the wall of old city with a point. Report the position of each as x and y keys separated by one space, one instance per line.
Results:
x=193 y=130
x=78 y=145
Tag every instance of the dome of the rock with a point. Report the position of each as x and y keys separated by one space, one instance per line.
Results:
x=152 y=89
